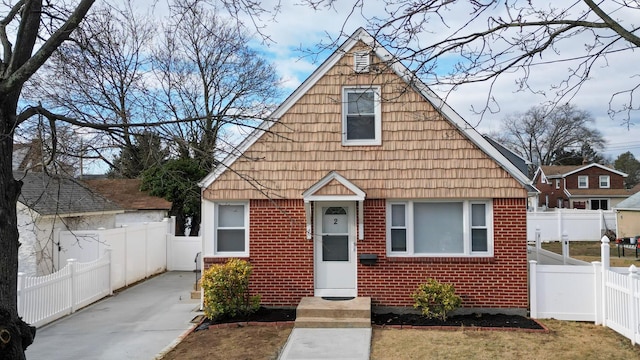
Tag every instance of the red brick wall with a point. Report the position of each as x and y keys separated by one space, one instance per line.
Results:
x=615 y=181
x=283 y=259
x=279 y=251
x=498 y=282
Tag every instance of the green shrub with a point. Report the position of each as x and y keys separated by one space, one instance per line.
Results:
x=226 y=290
x=436 y=300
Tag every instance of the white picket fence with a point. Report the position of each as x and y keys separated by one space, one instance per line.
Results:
x=43 y=299
x=129 y=254
x=579 y=225
x=598 y=293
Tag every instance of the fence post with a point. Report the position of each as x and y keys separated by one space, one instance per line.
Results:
x=168 y=258
x=633 y=310
x=72 y=277
x=565 y=247
x=533 y=289
x=597 y=271
x=125 y=257
x=146 y=250
x=107 y=253
x=21 y=294
x=604 y=257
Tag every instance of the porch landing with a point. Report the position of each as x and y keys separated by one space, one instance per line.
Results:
x=316 y=312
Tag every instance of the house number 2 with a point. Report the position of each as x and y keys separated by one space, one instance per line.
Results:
x=335 y=221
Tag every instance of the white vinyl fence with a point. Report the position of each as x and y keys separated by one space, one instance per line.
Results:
x=43 y=299
x=579 y=225
x=129 y=254
x=598 y=293
x=183 y=251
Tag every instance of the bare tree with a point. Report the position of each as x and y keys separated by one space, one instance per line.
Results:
x=452 y=43
x=101 y=78
x=22 y=26
x=208 y=73
x=540 y=135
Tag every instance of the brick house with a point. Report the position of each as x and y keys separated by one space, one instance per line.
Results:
x=591 y=186
x=364 y=183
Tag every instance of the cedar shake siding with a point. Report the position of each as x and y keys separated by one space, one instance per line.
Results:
x=422 y=155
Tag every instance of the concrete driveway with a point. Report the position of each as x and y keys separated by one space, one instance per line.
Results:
x=137 y=323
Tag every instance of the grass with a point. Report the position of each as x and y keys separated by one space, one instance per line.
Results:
x=566 y=340
x=590 y=251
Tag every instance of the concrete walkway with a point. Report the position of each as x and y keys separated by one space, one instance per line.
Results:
x=137 y=323
x=329 y=343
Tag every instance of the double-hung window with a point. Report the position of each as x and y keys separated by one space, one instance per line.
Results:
x=583 y=182
x=604 y=181
x=361 y=116
x=439 y=228
x=232 y=229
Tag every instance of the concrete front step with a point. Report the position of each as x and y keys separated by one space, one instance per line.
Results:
x=320 y=313
x=328 y=322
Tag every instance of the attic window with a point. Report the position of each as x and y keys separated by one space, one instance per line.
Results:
x=361 y=121
x=361 y=61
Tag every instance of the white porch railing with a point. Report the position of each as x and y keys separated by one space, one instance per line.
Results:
x=43 y=299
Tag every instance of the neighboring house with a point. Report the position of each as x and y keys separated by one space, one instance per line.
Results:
x=628 y=217
x=365 y=183
x=139 y=206
x=49 y=204
x=27 y=157
x=591 y=186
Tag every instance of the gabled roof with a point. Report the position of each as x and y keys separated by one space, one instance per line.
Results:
x=353 y=192
x=557 y=171
x=127 y=193
x=403 y=72
x=60 y=196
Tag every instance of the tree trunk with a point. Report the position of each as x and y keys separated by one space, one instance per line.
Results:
x=15 y=334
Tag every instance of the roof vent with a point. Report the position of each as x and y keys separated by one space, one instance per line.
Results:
x=361 y=61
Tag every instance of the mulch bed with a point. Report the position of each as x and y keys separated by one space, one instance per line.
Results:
x=483 y=321
x=269 y=316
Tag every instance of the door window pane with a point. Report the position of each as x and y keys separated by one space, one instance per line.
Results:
x=335 y=248
x=335 y=221
x=438 y=228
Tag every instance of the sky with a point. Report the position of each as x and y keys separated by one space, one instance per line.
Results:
x=299 y=26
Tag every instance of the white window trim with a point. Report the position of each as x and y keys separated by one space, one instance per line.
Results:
x=586 y=182
x=466 y=210
x=377 y=116
x=608 y=181
x=244 y=253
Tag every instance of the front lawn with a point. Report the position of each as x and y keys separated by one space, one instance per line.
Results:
x=566 y=340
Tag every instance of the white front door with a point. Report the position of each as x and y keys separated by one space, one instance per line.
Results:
x=335 y=249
